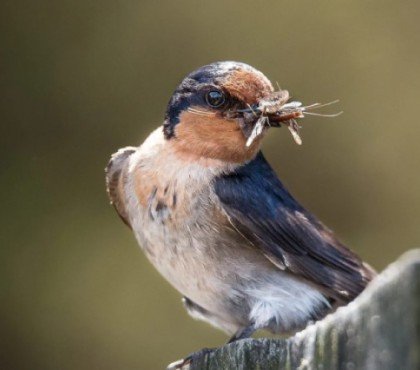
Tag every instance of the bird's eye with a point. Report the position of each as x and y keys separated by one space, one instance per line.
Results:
x=215 y=99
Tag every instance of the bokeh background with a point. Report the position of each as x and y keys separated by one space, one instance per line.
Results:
x=79 y=79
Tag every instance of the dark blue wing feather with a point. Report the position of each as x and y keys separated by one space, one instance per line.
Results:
x=263 y=210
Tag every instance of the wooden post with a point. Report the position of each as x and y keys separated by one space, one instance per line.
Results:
x=379 y=330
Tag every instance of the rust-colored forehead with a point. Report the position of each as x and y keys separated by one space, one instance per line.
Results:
x=247 y=85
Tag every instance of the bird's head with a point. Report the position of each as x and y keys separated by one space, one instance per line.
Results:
x=216 y=112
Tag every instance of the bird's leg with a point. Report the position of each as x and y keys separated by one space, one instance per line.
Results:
x=243 y=333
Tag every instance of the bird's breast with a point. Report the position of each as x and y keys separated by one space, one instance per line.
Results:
x=177 y=221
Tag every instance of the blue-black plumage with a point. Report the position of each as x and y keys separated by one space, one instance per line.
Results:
x=264 y=211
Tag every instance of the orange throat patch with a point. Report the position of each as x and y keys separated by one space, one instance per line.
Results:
x=212 y=137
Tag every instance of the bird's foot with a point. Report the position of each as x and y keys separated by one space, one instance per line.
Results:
x=243 y=333
x=187 y=362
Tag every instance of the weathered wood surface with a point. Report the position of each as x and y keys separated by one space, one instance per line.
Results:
x=379 y=330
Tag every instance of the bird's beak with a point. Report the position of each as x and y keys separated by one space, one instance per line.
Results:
x=263 y=118
x=274 y=111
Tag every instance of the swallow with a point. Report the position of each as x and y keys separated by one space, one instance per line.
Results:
x=214 y=219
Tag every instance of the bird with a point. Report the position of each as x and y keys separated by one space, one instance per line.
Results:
x=215 y=220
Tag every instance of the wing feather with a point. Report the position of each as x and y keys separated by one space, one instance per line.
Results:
x=115 y=174
x=261 y=208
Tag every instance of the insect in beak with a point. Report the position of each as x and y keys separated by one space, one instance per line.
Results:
x=275 y=111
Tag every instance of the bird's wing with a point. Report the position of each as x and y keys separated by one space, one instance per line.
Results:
x=115 y=174
x=265 y=213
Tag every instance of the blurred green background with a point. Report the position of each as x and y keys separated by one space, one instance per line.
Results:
x=79 y=79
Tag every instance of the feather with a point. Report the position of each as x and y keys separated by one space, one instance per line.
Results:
x=114 y=173
x=260 y=207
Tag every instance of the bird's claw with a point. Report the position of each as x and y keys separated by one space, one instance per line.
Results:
x=192 y=358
